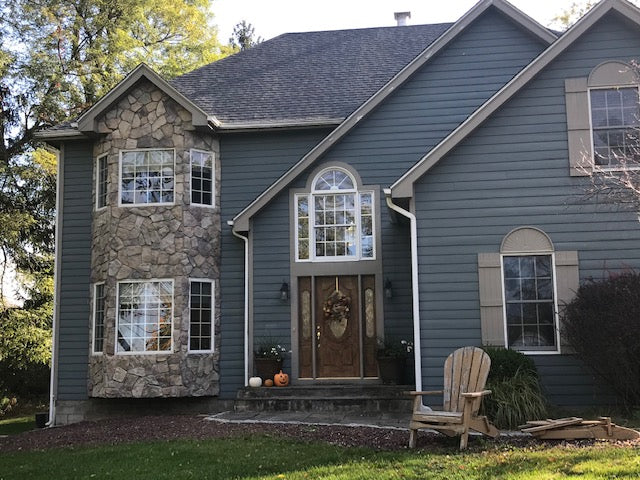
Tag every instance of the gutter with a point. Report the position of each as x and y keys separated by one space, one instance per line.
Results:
x=282 y=125
x=417 y=351
x=53 y=386
x=246 y=301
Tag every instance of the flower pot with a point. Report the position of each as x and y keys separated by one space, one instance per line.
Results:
x=409 y=374
x=41 y=419
x=266 y=368
x=391 y=369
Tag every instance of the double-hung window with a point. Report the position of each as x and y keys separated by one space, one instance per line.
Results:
x=145 y=316
x=529 y=302
x=521 y=289
x=201 y=316
x=147 y=177
x=101 y=181
x=202 y=178
x=603 y=118
x=335 y=221
x=615 y=121
x=98 y=317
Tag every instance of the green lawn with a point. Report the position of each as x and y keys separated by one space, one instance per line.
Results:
x=275 y=458
x=11 y=426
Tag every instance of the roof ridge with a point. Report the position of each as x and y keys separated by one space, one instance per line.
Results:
x=366 y=28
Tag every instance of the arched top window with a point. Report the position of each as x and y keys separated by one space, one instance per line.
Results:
x=615 y=114
x=335 y=219
x=528 y=274
x=603 y=118
x=333 y=179
x=526 y=239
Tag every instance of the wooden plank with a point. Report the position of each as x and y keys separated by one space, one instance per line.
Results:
x=600 y=432
x=475 y=372
x=553 y=424
x=452 y=429
x=456 y=361
x=437 y=416
x=466 y=371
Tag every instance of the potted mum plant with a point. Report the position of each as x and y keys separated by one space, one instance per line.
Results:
x=392 y=356
x=268 y=356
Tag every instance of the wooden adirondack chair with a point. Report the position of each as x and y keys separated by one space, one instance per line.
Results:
x=465 y=374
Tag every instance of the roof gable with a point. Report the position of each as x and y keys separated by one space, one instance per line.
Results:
x=403 y=187
x=241 y=221
x=86 y=122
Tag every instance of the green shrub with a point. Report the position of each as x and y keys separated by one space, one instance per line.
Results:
x=505 y=363
x=25 y=381
x=602 y=324
x=516 y=395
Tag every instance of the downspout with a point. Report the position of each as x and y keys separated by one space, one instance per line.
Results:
x=53 y=384
x=246 y=301
x=414 y=285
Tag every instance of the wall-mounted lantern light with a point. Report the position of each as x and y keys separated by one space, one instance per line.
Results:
x=284 y=291
x=388 y=290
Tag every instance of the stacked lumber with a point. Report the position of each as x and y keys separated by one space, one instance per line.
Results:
x=574 y=428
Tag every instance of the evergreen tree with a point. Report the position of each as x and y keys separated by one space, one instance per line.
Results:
x=243 y=36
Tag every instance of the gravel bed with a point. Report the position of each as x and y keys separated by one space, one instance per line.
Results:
x=121 y=430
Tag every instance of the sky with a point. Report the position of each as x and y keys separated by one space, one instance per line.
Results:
x=274 y=17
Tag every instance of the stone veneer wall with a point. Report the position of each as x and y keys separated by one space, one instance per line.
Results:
x=175 y=242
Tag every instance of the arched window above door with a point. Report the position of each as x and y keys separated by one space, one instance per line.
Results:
x=335 y=219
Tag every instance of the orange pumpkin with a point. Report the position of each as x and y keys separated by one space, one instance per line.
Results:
x=281 y=379
x=268 y=382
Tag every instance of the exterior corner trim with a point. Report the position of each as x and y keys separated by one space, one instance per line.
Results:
x=53 y=385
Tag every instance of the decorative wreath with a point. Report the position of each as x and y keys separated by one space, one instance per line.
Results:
x=337 y=307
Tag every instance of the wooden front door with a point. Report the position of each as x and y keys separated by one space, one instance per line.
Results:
x=337 y=326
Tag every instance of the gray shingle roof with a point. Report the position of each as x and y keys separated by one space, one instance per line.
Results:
x=298 y=77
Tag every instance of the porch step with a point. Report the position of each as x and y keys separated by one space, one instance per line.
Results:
x=325 y=398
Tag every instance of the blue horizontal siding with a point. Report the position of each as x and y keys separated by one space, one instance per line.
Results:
x=74 y=272
x=250 y=163
x=385 y=144
x=513 y=171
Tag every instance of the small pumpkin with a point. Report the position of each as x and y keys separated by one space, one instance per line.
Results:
x=268 y=382
x=255 y=382
x=281 y=379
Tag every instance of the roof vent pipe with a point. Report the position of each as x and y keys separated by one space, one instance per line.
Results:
x=402 y=18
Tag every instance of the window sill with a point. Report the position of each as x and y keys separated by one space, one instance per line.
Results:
x=537 y=352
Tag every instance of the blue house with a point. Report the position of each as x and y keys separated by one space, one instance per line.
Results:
x=328 y=189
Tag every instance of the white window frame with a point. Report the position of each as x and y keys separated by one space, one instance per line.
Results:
x=591 y=129
x=358 y=210
x=556 y=319
x=117 y=322
x=106 y=183
x=213 y=177
x=135 y=205
x=213 y=314
x=94 y=318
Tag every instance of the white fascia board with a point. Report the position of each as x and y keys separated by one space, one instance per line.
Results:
x=403 y=187
x=53 y=135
